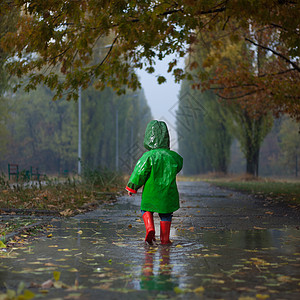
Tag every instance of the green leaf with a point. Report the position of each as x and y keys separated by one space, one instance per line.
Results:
x=161 y=79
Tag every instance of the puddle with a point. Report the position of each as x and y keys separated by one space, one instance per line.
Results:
x=98 y=255
x=221 y=250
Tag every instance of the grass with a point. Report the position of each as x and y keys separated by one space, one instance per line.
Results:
x=11 y=225
x=64 y=197
x=277 y=189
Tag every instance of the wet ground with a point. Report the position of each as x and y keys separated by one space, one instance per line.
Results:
x=226 y=245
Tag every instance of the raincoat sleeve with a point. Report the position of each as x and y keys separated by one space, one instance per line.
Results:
x=140 y=174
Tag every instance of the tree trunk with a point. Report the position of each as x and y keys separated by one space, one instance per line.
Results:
x=252 y=160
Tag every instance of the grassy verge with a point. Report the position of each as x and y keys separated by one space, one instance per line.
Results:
x=286 y=190
x=61 y=197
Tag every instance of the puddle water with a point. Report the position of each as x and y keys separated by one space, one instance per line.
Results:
x=224 y=247
x=98 y=256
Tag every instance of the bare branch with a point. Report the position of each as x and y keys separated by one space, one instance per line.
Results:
x=239 y=97
x=297 y=68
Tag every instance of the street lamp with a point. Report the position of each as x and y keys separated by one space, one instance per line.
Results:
x=79 y=131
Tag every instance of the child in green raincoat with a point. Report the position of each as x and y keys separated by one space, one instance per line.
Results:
x=156 y=170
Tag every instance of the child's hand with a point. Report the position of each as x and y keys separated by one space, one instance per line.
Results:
x=129 y=194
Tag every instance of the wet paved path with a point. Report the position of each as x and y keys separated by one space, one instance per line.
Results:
x=226 y=245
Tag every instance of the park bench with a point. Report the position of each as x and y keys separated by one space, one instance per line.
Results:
x=13 y=170
x=34 y=172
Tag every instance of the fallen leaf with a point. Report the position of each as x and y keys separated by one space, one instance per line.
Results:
x=47 y=284
x=199 y=289
x=73 y=270
x=66 y=212
x=27 y=295
x=56 y=275
x=179 y=246
x=178 y=290
x=269 y=212
x=262 y=296
x=284 y=278
x=258 y=228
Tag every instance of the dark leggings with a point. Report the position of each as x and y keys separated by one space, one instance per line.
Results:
x=163 y=217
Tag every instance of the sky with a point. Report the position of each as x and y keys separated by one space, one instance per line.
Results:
x=162 y=98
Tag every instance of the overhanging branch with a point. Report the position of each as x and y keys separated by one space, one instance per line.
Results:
x=297 y=68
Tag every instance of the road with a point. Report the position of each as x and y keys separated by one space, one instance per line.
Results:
x=226 y=245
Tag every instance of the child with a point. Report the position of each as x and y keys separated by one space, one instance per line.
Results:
x=156 y=170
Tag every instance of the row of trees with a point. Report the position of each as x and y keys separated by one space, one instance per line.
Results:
x=247 y=52
x=210 y=140
x=227 y=86
x=64 y=34
x=37 y=131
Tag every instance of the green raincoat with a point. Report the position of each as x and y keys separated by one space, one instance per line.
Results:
x=156 y=170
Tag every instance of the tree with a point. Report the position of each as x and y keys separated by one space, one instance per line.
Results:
x=250 y=133
x=204 y=137
x=290 y=144
x=7 y=24
x=64 y=33
x=260 y=82
x=44 y=133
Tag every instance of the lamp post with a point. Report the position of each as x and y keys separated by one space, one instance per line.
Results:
x=117 y=140
x=79 y=131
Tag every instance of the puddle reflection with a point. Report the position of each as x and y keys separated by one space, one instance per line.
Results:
x=157 y=270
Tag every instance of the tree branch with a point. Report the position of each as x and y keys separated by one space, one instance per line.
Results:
x=239 y=97
x=297 y=68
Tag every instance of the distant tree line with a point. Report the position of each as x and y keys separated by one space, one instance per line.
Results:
x=209 y=139
x=37 y=131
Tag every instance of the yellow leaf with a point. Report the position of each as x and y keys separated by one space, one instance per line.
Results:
x=49 y=235
x=178 y=290
x=258 y=228
x=73 y=270
x=56 y=275
x=199 y=289
x=2 y=245
x=262 y=296
x=179 y=246
x=28 y=295
x=79 y=231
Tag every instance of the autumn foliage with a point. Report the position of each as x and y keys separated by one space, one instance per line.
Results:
x=102 y=42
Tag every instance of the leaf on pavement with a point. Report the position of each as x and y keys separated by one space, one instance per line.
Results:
x=47 y=284
x=56 y=275
x=199 y=289
x=262 y=296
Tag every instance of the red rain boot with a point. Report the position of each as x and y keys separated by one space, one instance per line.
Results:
x=165 y=232
x=149 y=224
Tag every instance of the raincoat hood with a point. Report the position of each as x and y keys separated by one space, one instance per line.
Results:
x=156 y=135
